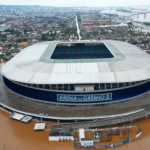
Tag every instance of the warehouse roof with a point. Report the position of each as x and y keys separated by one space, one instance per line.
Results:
x=61 y=132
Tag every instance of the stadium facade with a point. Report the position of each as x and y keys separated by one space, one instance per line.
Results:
x=79 y=73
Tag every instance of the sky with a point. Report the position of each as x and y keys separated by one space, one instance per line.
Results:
x=68 y=3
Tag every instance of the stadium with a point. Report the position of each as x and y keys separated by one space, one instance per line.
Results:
x=79 y=73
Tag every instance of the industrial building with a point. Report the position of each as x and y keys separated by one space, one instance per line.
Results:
x=92 y=23
x=61 y=135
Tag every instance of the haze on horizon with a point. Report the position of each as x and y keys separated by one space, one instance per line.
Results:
x=70 y=3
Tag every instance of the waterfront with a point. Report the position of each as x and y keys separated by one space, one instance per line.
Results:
x=17 y=135
x=142 y=17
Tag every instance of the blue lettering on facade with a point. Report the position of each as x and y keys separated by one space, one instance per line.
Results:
x=84 y=98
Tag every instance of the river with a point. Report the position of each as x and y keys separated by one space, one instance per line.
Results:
x=142 y=17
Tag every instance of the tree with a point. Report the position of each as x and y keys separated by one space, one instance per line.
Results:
x=145 y=42
x=9 y=46
x=146 y=23
x=8 y=53
x=19 y=40
x=3 y=39
x=12 y=31
x=44 y=37
x=70 y=30
x=3 y=35
x=95 y=33
x=24 y=40
x=45 y=25
x=62 y=25
x=79 y=19
x=15 y=45
x=135 y=42
x=129 y=23
x=28 y=30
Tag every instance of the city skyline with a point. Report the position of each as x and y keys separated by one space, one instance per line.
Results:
x=71 y=3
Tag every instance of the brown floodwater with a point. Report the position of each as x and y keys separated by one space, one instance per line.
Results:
x=15 y=135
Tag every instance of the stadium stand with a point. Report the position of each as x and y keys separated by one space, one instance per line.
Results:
x=81 y=51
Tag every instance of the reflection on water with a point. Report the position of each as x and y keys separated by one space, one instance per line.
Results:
x=17 y=135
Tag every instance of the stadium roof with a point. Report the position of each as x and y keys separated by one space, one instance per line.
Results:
x=33 y=65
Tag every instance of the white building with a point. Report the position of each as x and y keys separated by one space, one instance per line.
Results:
x=81 y=134
x=84 y=141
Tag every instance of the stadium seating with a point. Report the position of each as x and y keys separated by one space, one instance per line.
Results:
x=81 y=52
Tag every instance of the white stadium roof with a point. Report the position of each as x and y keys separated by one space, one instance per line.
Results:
x=34 y=65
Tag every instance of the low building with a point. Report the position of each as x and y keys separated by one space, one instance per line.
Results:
x=61 y=135
x=91 y=23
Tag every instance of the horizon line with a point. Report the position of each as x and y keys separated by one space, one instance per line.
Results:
x=74 y=6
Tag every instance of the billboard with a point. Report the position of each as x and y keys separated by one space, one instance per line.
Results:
x=84 y=98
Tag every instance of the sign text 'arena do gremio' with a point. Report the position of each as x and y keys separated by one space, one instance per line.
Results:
x=77 y=98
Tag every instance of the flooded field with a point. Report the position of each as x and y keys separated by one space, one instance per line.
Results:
x=15 y=135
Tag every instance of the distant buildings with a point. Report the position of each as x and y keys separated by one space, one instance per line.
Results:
x=94 y=23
